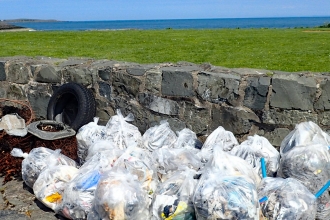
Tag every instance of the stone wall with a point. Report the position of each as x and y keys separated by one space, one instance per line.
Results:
x=200 y=97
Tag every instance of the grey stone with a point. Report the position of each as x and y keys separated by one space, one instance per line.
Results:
x=292 y=91
x=159 y=104
x=45 y=74
x=2 y=71
x=256 y=92
x=218 y=87
x=105 y=90
x=153 y=81
x=197 y=118
x=177 y=82
x=80 y=75
x=324 y=118
x=238 y=120
x=287 y=117
x=39 y=96
x=137 y=71
x=323 y=103
x=16 y=92
x=18 y=73
x=126 y=84
x=276 y=136
x=105 y=74
x=4 y=85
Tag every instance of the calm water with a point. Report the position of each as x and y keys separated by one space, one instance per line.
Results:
x=180 y=24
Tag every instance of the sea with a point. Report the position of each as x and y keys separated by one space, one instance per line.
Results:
x=218 y=23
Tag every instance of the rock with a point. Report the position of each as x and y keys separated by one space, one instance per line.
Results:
x=256 y=92
x=3 y=76
x=18 y=73
x=45 y=74
x=16 y=92
x=39 y=96
x=153 y=81
x=80 y=75
x=105 y=90
x=276 y=136
x=159 y=104
x=197 y=118
x=323 y=102
x=287 y=117
x=124 y=84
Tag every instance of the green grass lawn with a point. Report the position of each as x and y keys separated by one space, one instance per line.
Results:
x=273 y=49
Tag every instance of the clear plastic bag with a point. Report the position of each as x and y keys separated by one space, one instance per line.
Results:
x=255 y=148
x=79 y=192
x=52 y=181
x=286 y=199
x=119 y=196
x=39 y=158
x=101 y=146
x=169 y=160
x=310 y=164
x=225 y=197
x=173 y=198
x=87 y=135
x=303 y=134
x=159 y=136
x=219 y=137
x=122 y=133
x=188 y=139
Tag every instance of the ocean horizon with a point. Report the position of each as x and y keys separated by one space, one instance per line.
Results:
x=206 y=23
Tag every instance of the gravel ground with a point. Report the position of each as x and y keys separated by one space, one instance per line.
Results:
x=17 y=202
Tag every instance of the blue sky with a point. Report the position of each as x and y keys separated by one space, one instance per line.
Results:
x=82 y=10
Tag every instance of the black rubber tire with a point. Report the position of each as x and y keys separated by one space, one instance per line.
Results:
x=76 y=104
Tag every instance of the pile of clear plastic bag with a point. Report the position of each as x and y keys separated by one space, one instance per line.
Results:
x=173 y=198
x=159 y=136
x=102 y=146
x=310 y=164
x=255 y=148
x=188 y=139
x=38 y=158
x=284 y=199
x=119 y=195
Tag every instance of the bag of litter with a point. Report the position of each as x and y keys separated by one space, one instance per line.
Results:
x=122 y=133
x=310 y=164
x=102 y=145
x=169 y=160
x=225 y=197
x=255 y=148
x=303 y=134
x=137 y=161
x=173 y=198
x=86 y=136
x=52 y=181
x=159 y=136
x=119 y=196
x=219 y=137
x=188 y=139
x=38 y=158
x=79 y=192
x=283 y=199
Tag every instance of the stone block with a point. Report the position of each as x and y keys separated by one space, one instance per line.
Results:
x=287 y=117
x=105 y=74
x=218 y=87
x=293 y=91
x=153 y=81
x=45 y=74
x=197 y=118
x=323 y=103
x=125 y=84
x=137 y=71
x=16 y=91
x=80 y=75
x=105 y=90
x=238 y=120
x=3 y=76
x=4 y=85
x=39 y=96
x=159 y=104
x=177 y=82
x=18 y=73
x=256 y=92
x=276 y=136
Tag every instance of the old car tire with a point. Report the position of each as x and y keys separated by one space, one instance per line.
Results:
x=73 y=104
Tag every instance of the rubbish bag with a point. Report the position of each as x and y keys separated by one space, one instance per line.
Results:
x=225 y=197
x=159 y=136
x=52 y=181
x=173 y=198
x=255 y=148
x=122 y=133
x=119 y=195
x=219 y=137
x=168 y=160
x=86 y=136
x=102 y=145
x=79 y=192
x=38 y=158
x=138 y=162
x=303 y=134
x=310 y=164
x=286 y=199
x=188 y=139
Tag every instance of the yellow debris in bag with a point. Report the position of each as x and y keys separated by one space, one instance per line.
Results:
x=54 y=197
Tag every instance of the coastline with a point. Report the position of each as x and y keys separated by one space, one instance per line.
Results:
x=16 y=29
